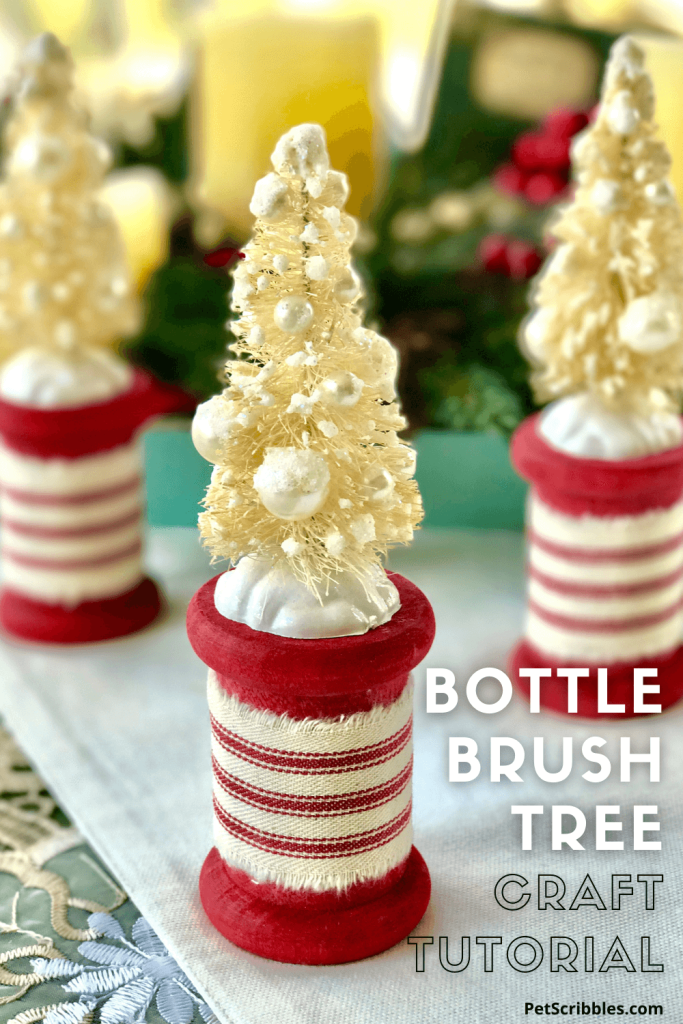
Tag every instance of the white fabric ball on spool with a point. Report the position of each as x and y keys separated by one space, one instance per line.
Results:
x=57 y=379
x=651 y=323
x=269 y=598
x=293 y=314
x=292 y=483
x=583 y=426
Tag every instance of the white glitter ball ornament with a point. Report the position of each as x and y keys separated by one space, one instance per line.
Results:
x=607 y=196
x=660 y=193
x=652 y=322
x=292 y=483
x=211 y=427
x=535 y=331
x=269 y=201
x=337 y=186
x=46 y=157
x=335 y=543
x=622 y=117
x=342 y=388
x=347 y=287
x=379 y=484
x=293 y=314
x=382 y=359
x=317 y=268
x=363 y=529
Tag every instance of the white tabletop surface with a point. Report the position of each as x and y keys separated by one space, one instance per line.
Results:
x=120 y=733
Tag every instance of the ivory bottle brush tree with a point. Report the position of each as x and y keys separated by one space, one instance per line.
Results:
x=605 y=460
x=607 y=326
x=70 y=463
x=309 y=642
x=310 y=474
x=64 y=284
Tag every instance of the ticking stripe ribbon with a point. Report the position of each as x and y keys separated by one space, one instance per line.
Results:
x=320 y=849
x=575 y=553
x=594 y=601
x=333 y=805
x=313 y=803
x=307 y=763
x=81 y=498
x=73 y=564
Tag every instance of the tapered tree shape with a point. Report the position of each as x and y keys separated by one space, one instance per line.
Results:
x=63 y=275
x=608 y=306
x=309 y=465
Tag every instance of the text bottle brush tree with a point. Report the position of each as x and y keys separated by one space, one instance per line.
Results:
x=605 y=459
x=70 y=464
x=309 y=642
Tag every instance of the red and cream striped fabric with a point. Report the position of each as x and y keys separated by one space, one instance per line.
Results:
x=311 y=804
x=605 y=589
x=71 y=528
x=71 y=516
x=605 y=570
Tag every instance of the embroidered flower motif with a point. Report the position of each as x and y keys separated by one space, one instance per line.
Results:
x=129 y=975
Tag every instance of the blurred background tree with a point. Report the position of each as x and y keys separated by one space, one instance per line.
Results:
x=453 y=119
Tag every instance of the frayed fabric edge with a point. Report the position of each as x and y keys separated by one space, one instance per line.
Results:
x=219 y=701
x=332 y=882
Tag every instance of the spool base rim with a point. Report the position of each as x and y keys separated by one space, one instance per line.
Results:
x=553 y=692
x=89 y=622
x=311 y=935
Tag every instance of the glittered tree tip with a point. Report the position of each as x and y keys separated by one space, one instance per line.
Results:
x=607 y=312
x=309 y=471
x=46 y=68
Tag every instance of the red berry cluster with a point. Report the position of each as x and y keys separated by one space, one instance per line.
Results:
x=223 y=257
x=512 y=257
x=539 y=172
x=540 y=165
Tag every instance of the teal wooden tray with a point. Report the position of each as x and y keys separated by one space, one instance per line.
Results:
x=466 y=479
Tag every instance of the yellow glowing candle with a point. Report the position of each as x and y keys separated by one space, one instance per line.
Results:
x=664 y=59
x=143 y=205
x=147 y=21
x=261 y=74
x=67 y=19
x=414 y=38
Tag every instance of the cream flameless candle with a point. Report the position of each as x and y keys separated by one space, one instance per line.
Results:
x=306 y=68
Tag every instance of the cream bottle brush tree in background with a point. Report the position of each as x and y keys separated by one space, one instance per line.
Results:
x=607 y=326
x=310 y=474
x=64 y=285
